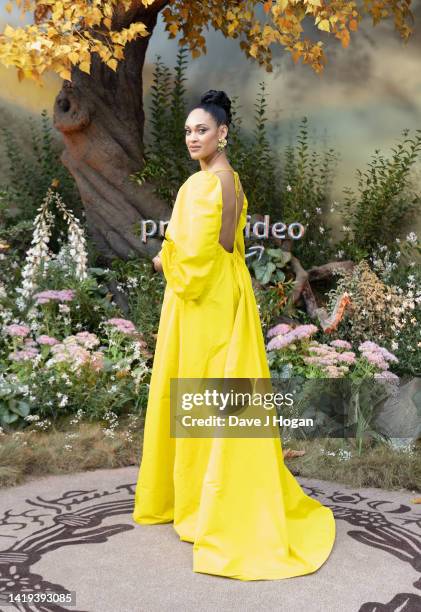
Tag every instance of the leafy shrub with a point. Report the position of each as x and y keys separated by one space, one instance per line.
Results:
x=385 y=203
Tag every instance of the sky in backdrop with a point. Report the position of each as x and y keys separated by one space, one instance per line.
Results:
x=367 y=94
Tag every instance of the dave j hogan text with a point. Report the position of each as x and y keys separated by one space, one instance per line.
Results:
x=235 y=421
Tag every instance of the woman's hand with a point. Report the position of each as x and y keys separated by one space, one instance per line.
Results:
x=157 y=263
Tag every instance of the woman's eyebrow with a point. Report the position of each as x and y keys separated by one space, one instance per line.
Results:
x=197 y=125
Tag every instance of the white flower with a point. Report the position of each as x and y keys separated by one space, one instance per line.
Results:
x=412 y=238
x=321 y=229
x=289 y=188
x=318 y=211
x=345 y=228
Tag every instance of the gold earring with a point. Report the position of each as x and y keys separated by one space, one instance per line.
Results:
x=222 y=143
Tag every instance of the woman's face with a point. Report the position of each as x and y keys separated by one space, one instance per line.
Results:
x=202 y=134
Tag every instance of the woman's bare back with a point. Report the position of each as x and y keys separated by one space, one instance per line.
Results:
x=229 y=221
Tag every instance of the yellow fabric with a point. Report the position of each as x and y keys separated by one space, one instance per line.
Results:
x=233 y=498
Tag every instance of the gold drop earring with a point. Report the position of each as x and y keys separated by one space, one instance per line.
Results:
x=222 y=143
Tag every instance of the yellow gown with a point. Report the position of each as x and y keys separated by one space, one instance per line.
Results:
x=233 y=498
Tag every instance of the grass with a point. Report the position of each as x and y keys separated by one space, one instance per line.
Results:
x=33 y=454
x=88 y=446
x=380 y=466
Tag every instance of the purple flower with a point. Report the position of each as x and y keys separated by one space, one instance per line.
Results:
x=387 y=355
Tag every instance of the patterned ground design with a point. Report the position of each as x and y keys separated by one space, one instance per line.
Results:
x=76 y=518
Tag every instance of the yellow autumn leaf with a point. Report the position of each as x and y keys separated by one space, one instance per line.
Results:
x=118 y=52
x=112 y=63
x=9 y=7
x=85 y=67
x=324 y=25
x=65 y=74
x=8 y=31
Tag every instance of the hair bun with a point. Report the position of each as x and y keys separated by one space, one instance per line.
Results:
x=219 y=98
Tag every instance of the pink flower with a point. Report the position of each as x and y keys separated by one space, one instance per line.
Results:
x=278 y=330
x=368 y=345
x=388 y=356
x=304 y=331
x=376 y=359
x=334 y=372
x=63 y=295
x=322 y=349
x=17 y=330
x=49 y=340
x=122 y=325
x=327 y=360
x=87 y=339
x=348 y=357
x=341 y=344
x=311 y=359
x=26 y=355
x=388 y=376
x=279 y=342
x=298 y=333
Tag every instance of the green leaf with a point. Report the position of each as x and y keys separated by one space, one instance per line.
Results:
x=270 y=268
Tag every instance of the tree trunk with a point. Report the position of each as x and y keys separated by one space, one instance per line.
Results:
x=101 y=118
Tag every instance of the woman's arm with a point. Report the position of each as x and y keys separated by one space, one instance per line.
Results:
x=189 y=253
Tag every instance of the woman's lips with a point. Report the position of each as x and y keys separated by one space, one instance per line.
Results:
x=194 y=148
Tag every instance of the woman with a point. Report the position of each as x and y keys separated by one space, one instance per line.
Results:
x=233 y=498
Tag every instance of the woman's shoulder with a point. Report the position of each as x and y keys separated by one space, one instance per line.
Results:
x=202 y=176
x=203 y=180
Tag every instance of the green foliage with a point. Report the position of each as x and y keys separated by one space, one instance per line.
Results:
x=306 y=182
x=13 y=406
x=167 y=162
x=385 y=203
x=144 y=289
x=269 y=268
x=257 y=162
x=28 y=180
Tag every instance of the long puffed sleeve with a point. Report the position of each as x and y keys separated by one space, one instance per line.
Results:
x=190 y=247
